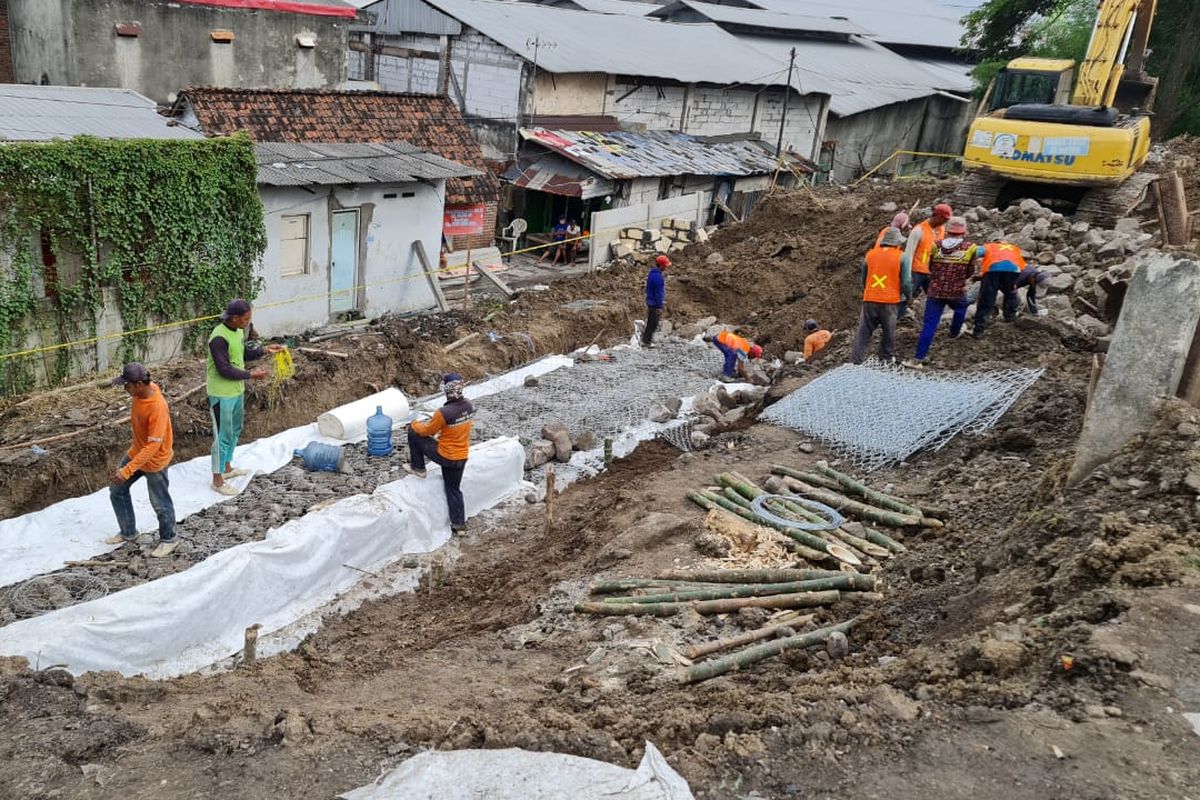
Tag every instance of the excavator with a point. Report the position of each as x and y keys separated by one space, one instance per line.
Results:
x=1077 y=149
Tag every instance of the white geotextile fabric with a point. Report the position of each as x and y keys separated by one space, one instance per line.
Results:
x=75 y=530
x=521 y=775
x=350 y=421
x=194 y=618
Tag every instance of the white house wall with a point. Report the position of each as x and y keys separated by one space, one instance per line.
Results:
x=388 y=268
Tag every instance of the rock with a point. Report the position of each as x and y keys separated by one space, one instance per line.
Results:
x=1094 y=711
x=1188 y=429
x=750 y=395
x=1153 y=680
x=732 y=417
x=889 y=207
x=1046 y=257
x=699 y=440
x=1041 y=226
x=757 y=375
x=995 y=657
x=531 y=498
x=725 y=397
x=806 y=447
x=971 y=216
x=895 y=704
x=1093 y=239
x=531 y=381
x=706 y=322
x=552 y=428
x=1105 y=646
x=584 y=440
x=1092 y=326
x=55 y=676
x=1061 y=260
x=1080 y=228
x=1058 y=306
x=706 y=405
x=837 y=645
x=100 y=773
x=1060 y=283
x=711 y=544
x=793 y=357
x=660 y=413
x=1030 y=206
x=665 y=327
x=673 y=403
x=1116 y=247
x=689 y=331
x=1113 y=711
x=1128 y=225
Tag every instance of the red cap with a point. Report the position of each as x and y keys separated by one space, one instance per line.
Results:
x=943 y=210
x=662 y=261
x=755 y=351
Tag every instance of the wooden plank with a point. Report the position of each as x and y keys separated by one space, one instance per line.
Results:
x=430 y=277
x=493 y=279
x=1172 y=205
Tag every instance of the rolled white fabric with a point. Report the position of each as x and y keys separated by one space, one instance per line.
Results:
x=350 y=421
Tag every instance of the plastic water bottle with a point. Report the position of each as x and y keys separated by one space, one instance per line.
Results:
x=379 y=433
x=320 y=457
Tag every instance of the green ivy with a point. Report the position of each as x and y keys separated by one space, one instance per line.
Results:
x=175 y=226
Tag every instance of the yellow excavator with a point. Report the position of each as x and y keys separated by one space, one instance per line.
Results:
x=1076 y=149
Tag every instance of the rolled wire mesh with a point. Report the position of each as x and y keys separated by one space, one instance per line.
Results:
x=606 y=397
x=679 y=435
x=46 y=593
x=878 y=415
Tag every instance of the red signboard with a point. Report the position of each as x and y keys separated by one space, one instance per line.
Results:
x=463 y=220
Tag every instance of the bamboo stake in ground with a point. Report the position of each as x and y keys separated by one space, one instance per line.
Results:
x=798 y=600
x=751 y=655
x=747 y=575
x=250 y=645
x=549 y=499
x=696 y=651
x=861 y=510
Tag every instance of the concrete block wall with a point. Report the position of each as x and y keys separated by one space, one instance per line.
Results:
x=485 y=239
x=713 y=111
x=865 y=139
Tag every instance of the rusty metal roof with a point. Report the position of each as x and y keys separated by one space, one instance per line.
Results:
x=552 y=173
x=295 y=164
x=621 y=155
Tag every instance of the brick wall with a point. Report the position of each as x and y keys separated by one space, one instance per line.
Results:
x=6 y=64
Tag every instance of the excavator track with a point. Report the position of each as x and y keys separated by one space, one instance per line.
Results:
x=978 y=189
x=1104 y=206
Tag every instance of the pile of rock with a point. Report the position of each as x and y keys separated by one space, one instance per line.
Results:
x=722 y=409
x=674 y=234
x=557 y=444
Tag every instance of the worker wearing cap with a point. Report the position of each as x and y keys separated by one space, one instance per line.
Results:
x=148 y=457
x=226 y=382
x=815 y=339
x=1000 y=265
x=885 y=285
x=736 y=349
x=900 y=222
x=446 y=441
x=656 y=293
x=950 y=267
x=920 y=246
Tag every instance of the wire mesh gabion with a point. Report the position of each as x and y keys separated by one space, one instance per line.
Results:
x=46 y=593
x=679 y=435
x=878 y=415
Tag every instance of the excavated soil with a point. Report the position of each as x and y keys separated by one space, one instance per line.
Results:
x=1042 y=644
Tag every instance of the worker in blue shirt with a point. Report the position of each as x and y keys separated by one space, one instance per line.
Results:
x=656 y=292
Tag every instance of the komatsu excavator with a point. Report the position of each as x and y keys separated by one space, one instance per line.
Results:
x=1077 y=149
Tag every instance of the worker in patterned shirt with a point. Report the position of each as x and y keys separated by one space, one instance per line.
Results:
x=446 y=441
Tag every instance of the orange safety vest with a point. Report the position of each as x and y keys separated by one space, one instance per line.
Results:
x=883 y=275
x=733 y=341
x=930 y=236
x=1001 y=251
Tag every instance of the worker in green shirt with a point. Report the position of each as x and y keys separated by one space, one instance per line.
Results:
x=226 y=377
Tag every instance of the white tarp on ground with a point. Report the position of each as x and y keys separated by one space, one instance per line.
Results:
x=194 y=618
x=522 y=775
x=75 y=530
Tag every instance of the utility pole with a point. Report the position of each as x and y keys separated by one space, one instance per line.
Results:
x=536 y=43
x=787 y=94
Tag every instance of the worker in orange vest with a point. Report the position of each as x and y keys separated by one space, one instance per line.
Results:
x=899 y=222
x=815 y=339
x=921 y=243
x=736 y=349
x=886 y=284
x=1001 y=264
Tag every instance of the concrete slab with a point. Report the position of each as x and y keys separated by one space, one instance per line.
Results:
x=1146 y=359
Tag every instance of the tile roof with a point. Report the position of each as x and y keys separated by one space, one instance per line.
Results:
x=430 y=123
x=43 y=113
x=341 y=164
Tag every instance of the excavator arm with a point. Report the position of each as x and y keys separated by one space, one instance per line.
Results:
x=1122 y=28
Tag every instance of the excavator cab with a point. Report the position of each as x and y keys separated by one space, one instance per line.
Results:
x=1043 y=81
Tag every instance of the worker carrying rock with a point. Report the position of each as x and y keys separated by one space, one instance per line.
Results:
x=737 y=350
x=919 y=248
x=815 y=339
x=1000 y=265
x=950 y=267
x=886 y=284
x=446 y=441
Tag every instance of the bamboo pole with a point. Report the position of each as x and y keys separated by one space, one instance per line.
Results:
x=861 y=510
x=724 y=606
x=549 y=499
x=250 y=645
x=708 y=500
x=825 y=482
x=844 y=582
x=875 y=497
x=861 y=544
x=882 y=540
x=747 y=575
x=751 y=655
x=632 y=584
x=697 y=651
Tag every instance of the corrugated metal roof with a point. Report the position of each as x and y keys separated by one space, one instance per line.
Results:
x=408 y=16
x=550 y=172
x=953 y=76
x=609 y=6
x=42 y=113
x=921 y=23
x=292 y=164
x=775 y=20
x=622 y=155
x=618 y=44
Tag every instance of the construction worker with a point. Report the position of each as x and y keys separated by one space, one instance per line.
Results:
x=951 y=265
x=1029 y=279
x=816 y=339
x=886 y=284
x=1000 y=264
x=920 y=245
x=451 y=425
x=226 y=378
x=148 y=457
x=736 y=349
x=900 y=222
x=655 y=295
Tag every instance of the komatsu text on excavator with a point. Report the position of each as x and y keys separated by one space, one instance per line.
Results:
x=1078 y=148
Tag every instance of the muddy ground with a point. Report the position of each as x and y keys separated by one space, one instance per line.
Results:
x=1042 y=645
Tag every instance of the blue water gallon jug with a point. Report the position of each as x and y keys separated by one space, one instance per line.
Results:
x=320 y=457
x=379 y=433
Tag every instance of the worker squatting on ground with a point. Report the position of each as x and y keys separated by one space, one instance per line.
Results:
x=950 y=267
x=919 y=248
x=815 y=338
x=656 y=294
x=737 y=350
x=226 y=378
x=451 y=425
x=886 y=284
x=148 y=457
